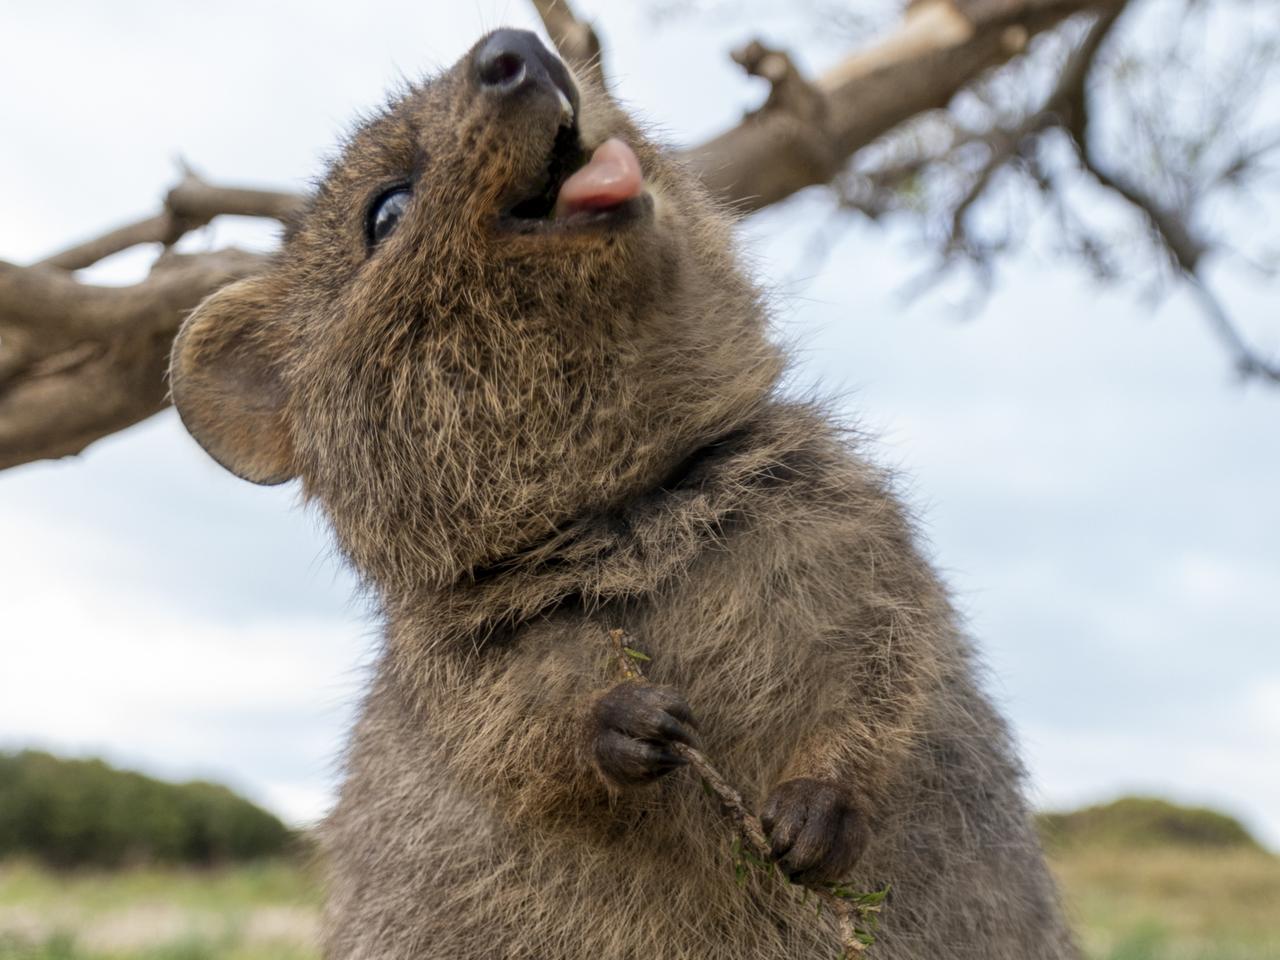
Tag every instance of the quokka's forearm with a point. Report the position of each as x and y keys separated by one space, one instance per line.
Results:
x=518 y=729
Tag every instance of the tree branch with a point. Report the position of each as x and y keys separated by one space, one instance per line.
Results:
x=1171 y=229
x=940 y=47
x=53 y=331
x=855 y=913
x=188 y=206
x=789 y=91
x=79 y=361
x=1064 y=106
x=1247 y=361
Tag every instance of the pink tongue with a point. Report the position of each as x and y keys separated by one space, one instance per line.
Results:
x=612 y=176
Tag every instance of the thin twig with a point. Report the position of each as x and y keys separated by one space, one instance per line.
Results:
x=855 y=913
x=1170 y=228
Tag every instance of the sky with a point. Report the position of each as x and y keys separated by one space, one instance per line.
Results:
x=1098 y=491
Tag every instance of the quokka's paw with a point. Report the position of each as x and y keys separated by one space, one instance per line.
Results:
x=816 y=833
x=636 y=726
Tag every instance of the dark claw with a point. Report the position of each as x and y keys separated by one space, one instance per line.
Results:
x=815 y=832
x=673 y=730
x=636 y=728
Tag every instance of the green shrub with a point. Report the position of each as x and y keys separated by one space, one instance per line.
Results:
x=1144 y=822
x=84 y=812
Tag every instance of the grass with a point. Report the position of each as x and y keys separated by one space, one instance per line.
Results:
x=64 y=947
x=1150 y=903
x=1173 y=903
x=260 y=912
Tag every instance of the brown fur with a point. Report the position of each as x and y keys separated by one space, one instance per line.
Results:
x=524 y=441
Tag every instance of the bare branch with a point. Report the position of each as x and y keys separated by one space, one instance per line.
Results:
x=195 y=199
x=1067 y=107
x=188 y=206
x=63 y=343
x=1072 y=101
x=940 y=48
x=1064 y=106
x=1070 y=96
x=1004 y=146
x=1248 y=363
x=1171 y=229
x=788 y=89
x=162 y=228
x=802 y=136
x=78 y=361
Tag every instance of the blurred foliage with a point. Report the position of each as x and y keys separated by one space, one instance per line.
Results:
x=226 y=890
x=65 y=947
x=1172 y=903
x=266 y=910
x=1144 y=822
x=86 y=813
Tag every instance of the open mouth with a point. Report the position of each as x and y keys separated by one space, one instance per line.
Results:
x=580 y=189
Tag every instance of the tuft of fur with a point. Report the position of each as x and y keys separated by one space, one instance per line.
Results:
x=523 y=441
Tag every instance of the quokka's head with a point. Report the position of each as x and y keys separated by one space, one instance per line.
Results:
x=503 y=307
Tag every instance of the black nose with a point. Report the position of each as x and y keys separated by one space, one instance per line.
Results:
x=512 y=60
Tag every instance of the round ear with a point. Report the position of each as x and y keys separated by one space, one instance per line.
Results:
x=225 y=382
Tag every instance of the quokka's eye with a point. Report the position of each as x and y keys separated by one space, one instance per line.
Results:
x=385 y=213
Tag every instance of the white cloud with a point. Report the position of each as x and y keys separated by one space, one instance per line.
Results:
x=1262 y=706
x=91 y=667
